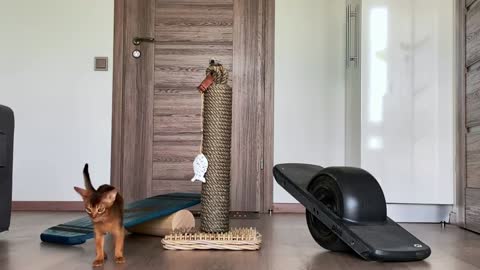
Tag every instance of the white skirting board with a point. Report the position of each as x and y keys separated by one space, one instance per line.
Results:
x=427 y=213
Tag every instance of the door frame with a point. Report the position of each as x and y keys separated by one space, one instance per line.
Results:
x=119 y=100
x=458 y=216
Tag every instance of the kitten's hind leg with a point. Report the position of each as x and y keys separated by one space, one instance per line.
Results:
x=119 y=235
x=99 y=243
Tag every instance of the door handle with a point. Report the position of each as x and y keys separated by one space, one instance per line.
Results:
x=353 y=39
x=138 y=40
x=347 y=39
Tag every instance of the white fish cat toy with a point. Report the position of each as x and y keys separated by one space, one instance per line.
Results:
x=200 y=165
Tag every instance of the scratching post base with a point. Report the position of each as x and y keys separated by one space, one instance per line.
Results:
x=236 y=239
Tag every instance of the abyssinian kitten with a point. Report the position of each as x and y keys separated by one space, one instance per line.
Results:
x=105 y=207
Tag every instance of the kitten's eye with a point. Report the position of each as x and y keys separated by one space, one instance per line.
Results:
x=88 y=210
x=101 y=210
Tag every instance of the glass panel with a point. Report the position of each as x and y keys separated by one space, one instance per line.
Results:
x=407 y=98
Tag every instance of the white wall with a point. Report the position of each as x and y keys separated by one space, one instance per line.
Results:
x=62 y=107
x=309 y=84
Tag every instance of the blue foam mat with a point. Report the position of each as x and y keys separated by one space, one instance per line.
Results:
x=80 y=230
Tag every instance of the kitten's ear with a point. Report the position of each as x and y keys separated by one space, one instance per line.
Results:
x=83 y=192
x=109 y=197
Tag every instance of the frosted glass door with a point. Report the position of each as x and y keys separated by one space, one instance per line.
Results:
x=407 y=123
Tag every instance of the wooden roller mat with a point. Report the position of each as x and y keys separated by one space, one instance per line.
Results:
x=182 y=220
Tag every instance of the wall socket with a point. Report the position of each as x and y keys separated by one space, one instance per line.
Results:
x=101 y=63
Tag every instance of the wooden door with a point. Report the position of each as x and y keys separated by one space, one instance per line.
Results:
x=472 y=115
x=187 y=34
x=157 y=125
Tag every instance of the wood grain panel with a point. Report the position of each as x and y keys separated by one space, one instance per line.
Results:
x=138 y=106
x=175 y=152
x=194 y=22
x=117 y=96
x=175 y=170
x=267 y=191
x=472 y=209
x=168 y=186
x=193 y=2
x=460 y=95
x=473 y=34
x=188 y=34
x=279 y=208
x=178 y=123
x=172 y=137
x=473 y=96
x=169 y=104
x=48 y=206
x=473 y=159
x=469 y=2
x=248 y=105
x=183 y=65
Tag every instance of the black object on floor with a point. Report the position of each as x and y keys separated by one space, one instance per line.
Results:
x=346 y=210
x=6 y=164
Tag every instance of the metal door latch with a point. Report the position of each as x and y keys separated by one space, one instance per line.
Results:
x=138 y=40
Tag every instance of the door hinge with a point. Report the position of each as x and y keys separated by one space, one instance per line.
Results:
x=261 y=164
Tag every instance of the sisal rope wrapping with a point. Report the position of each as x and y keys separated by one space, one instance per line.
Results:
x=216 y=144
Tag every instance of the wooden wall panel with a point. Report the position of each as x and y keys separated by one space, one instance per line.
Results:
x=458 y=213
x=473 y=34
x=473 y=95
x=469 y=2
x=168 y=186
x=473 y=159
x=197 y=22
x=472 y=209
x=267 y=190
x=137 y=111
x=188 y=34
x=48 y=206
x=185 y=64
x=248 y=106
x=117 y=96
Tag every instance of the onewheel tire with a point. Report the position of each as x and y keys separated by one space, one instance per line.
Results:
x=324 y=188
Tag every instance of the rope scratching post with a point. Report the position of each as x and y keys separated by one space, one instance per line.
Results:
x=217 y=126
x=217 y=119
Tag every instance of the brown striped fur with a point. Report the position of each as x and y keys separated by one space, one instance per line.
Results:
x=105 y=207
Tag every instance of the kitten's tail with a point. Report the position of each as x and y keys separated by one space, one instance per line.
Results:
x=86 y=178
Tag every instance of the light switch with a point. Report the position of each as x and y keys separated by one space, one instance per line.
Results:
x=101 y=63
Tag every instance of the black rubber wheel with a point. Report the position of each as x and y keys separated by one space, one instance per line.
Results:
x=324 y=188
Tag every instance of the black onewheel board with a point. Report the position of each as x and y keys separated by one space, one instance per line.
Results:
x=347 y=211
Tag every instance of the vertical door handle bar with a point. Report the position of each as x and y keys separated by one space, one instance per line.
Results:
x=347 y=45
x=355 y=35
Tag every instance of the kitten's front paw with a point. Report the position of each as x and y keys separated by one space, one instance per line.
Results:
x=98 y=263
x=120 y=260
